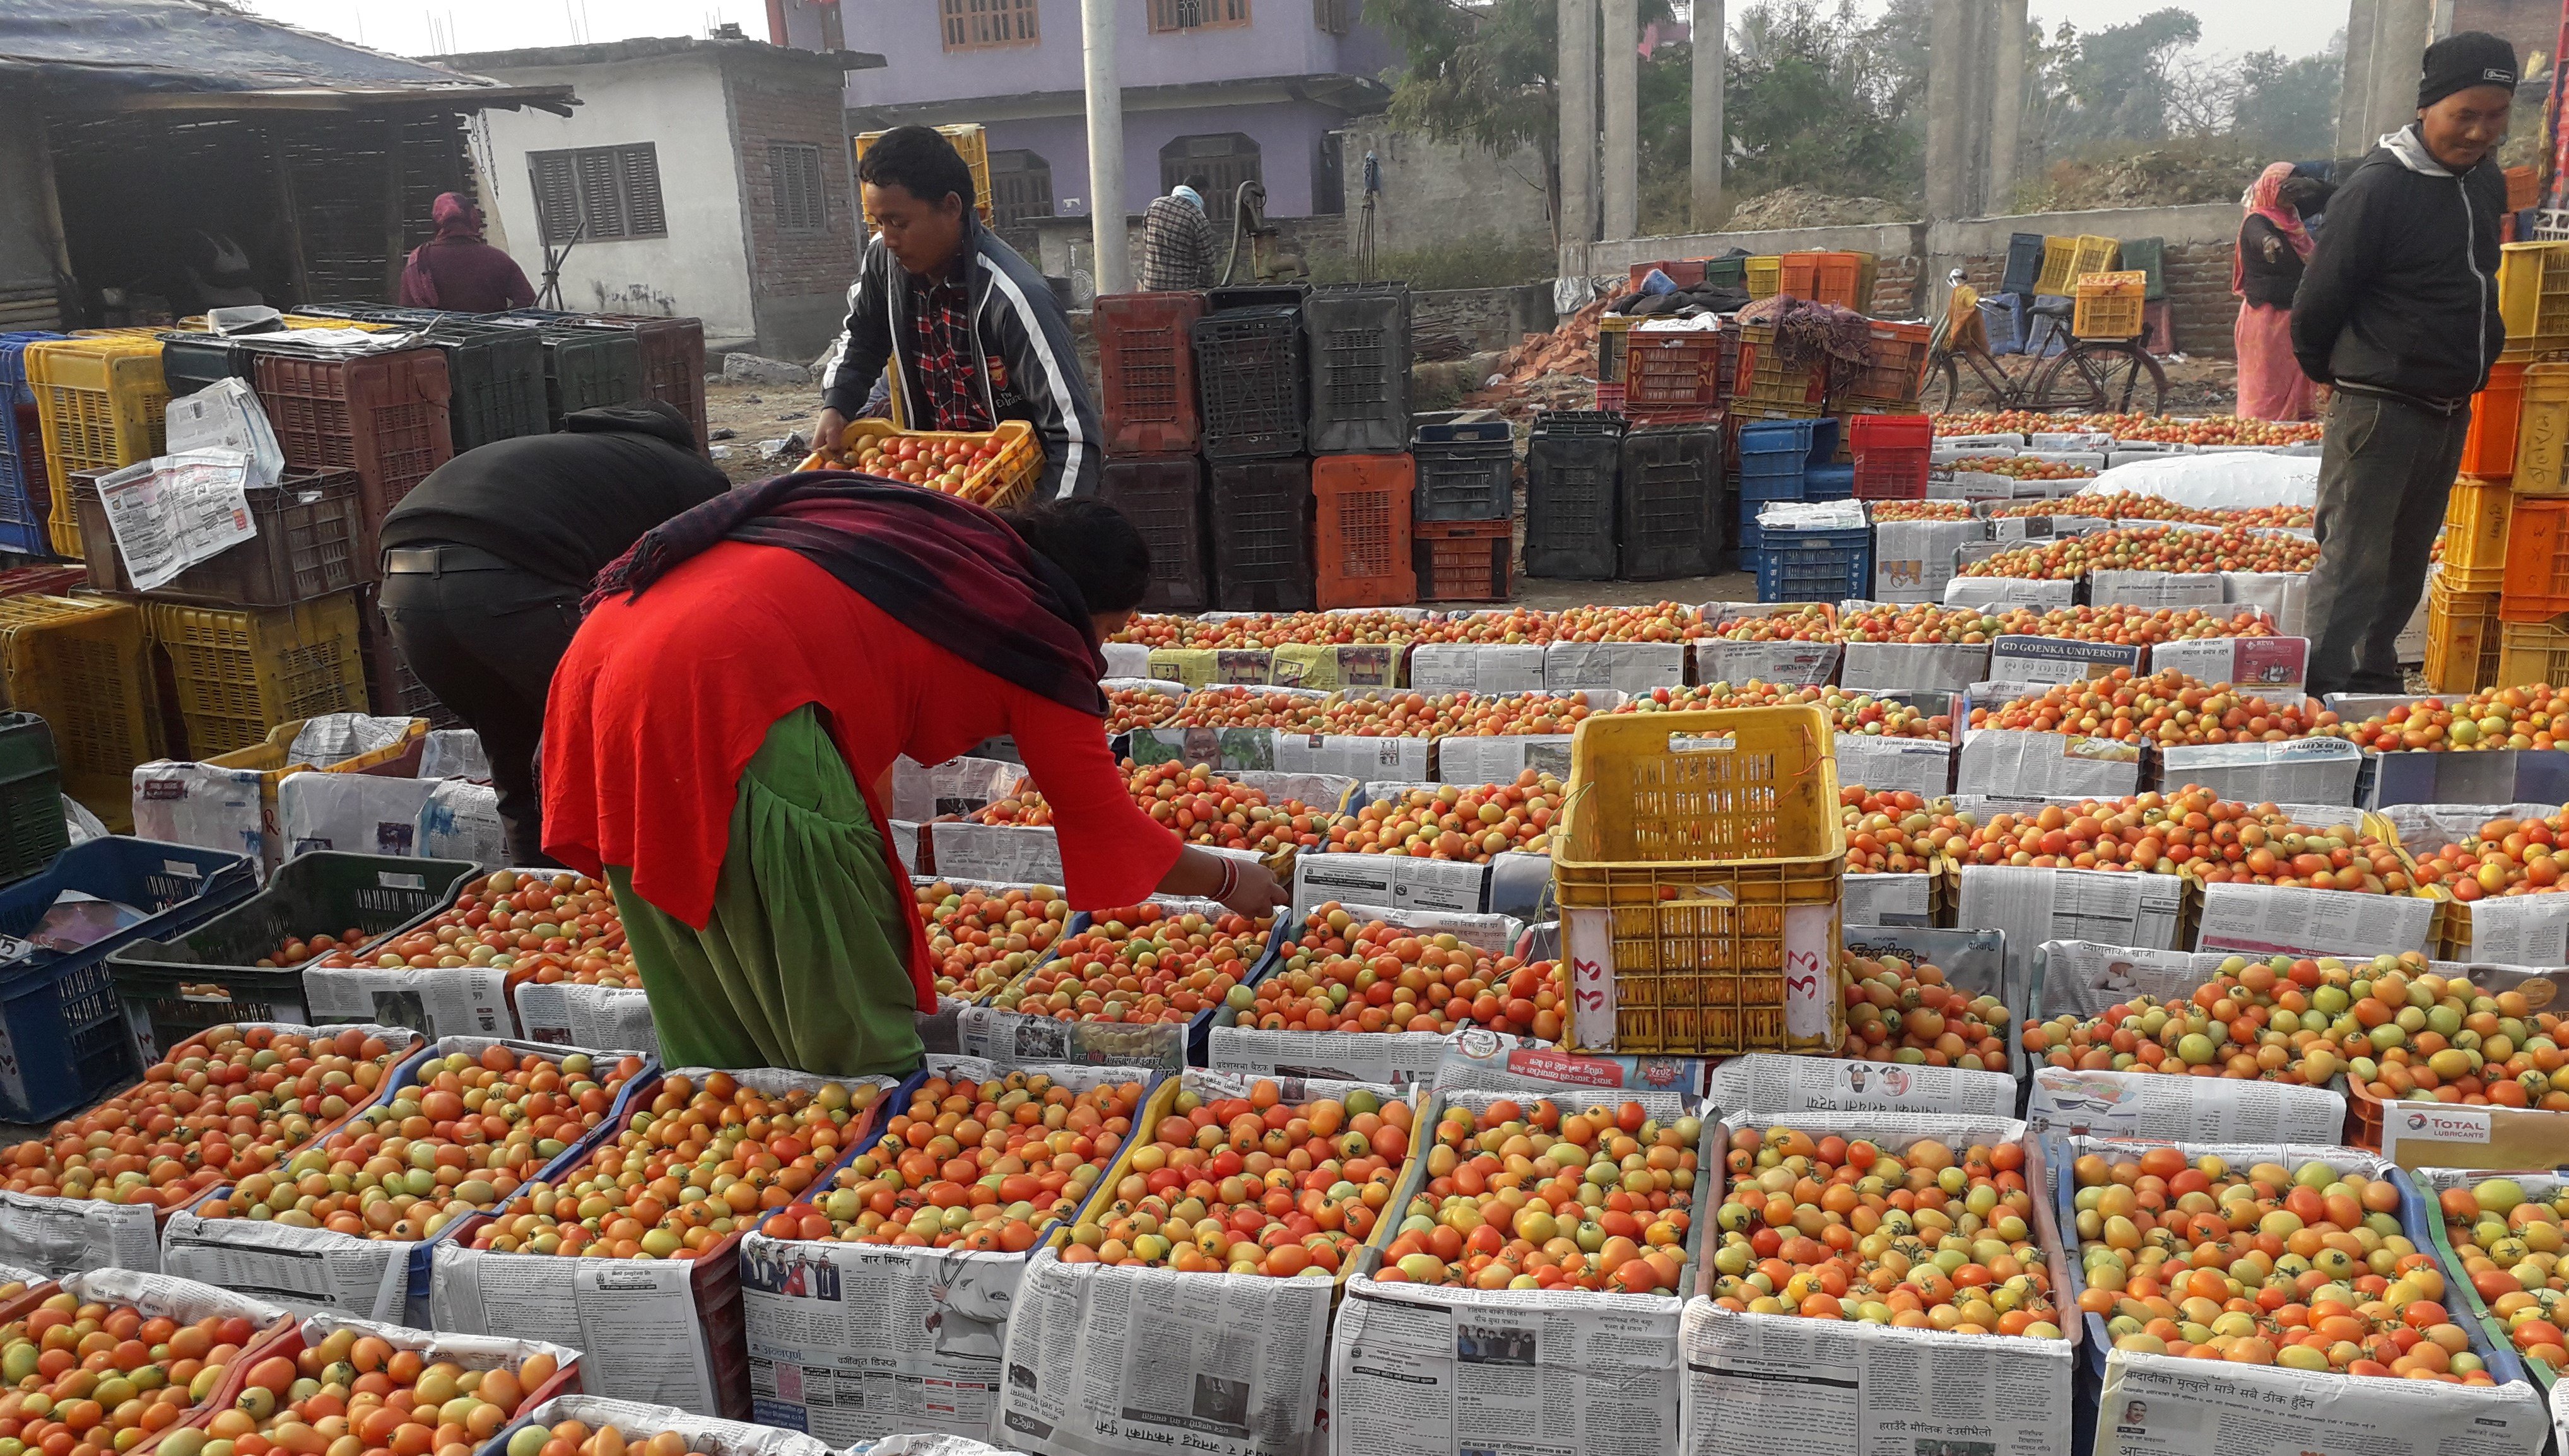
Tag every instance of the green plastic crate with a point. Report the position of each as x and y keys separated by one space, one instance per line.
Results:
x=2144 y=254
x=32 y=832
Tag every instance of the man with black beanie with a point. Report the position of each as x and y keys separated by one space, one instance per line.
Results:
x=2399 y=312
x=485 y=562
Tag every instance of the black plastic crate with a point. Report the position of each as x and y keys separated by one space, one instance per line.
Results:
x=1248 y=374
x=191 y=362
x=1356 y=336
x=1164 y=499
x=1257 y=295
x=1261 y=516
x=1464 y=483
x=1668 y=503
x=496 y=376
x=2023 y=264
x=1571 y=469
x=31 y=830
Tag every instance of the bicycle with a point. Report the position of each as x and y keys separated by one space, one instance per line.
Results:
x=2089 y=377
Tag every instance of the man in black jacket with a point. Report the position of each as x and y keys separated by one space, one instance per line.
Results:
x=973 y=330
x=485 y=562
x=2399 y=311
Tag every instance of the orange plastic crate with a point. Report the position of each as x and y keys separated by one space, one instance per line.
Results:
x=1360 y=529
x=2488 y=450
x=2537 y=561
x=1463 y=561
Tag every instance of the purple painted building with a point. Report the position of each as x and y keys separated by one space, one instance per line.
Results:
x=1231 y=89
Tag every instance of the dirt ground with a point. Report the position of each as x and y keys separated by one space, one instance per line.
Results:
x=2195 y=386
x=756 y=414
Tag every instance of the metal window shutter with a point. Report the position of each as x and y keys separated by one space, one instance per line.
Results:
x=599 y=206
x=640 y=166
x=556 y=194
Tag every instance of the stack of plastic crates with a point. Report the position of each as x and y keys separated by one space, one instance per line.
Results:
x=1713 y=842
x=1778 y=460
x=65 y=1027
x=1147 y=368
x=1570 y=495
x=1668 y=503
x=1813 y=564
x=1462 y=513
x=668 y=356
x=1361 y=531
x=1672 y=376
x=1892 y=453
x=2023 y=264
x=2489 y=449
x=1260 y=517
x=1825 y=278
x=1249 y=376
x=1356 y=338
x=2540 y=457
x=102 y=402
x=241 y=670
x=496 y=382
x=2533 y=600
x=2533 y=297
x=26 y=492
x=306 y=546
x=80 y=664
x=1164 y=497
x=2462 y=636
x=383 y=416
x=2109 y=306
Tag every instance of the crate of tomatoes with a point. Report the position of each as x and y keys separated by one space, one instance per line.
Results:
x=997 y=468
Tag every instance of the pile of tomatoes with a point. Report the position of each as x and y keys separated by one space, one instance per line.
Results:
x=2167 y=708
x=940 y=462
x=2494 y=719
x=2507 y=857
x=2176 y=548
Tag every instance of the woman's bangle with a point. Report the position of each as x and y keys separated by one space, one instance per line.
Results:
x=1230 y=879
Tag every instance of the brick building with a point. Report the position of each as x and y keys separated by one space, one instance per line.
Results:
x=704 y=177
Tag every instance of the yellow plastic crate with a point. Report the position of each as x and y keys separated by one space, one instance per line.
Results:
x=2092 y=253
x=2542 y=431
x=1696 y=849
x=2534 y=296
x=103 y=404
x=2531 y=652
x=2475 y=518
x=2462 y=639
x=1000 y=483
x=1766 y=277
x=241 y=670
x=974 y=147
x=1612 y=331
x=273 y=759
x=2109 y=306
x=80 y=664
x=2060 y=266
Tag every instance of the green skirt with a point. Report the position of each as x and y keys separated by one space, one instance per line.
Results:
x=805 y=960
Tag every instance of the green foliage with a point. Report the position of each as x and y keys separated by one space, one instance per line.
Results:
x=2288 y=108
x=2118 y=80
x=1482 y=74
x=1819 y=98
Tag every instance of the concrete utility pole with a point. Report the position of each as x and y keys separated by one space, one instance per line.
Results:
x=1947 y=31
x=2006 y=102
x=2384 y=42
x=1576 y=78
x=1706 y=138
x=1105 y=147
x=1622 y=118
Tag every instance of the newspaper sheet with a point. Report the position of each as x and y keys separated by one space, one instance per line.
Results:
x=1780 y=1385
x=1889 y=900
x=2016 y=659
x=2299 y=771
x=1997 y=760
x=1392 y=1058
x=226 y=417
x=2284 y=595
x=356 y=813
x=469 y=1001
x=2271 y=667
x=1419 y=1371
x=2426 y=828
x=1013 y=854
x=2277 y=919
x=209 y=808
x=2085 y=977
x=1127 y=659
x=2039 y=593
x=1889 y=765
x=2154 y=590
x=1912 y=560
x=2525 y=929
x=329 y=738
x=1499 y=758
x=955 y=787
x=2156 y=1106
x=1627 y=667
x=2033 y=905
x=1013 y=1036
x=1766 y=1085
x=639 y=1323
x=2165 y=1405
x=461 y=820
x=160 y=1295
x=577 y=1016
x=1892 y=666
x=174 y=511
x=1357 y=758
x=706 y=1434
x=454 y=753
x=849 y=1342
x=1798 y=664
x=1477 y=1059
x=1445 y=667
x=61 y=1235
x=1396 y=881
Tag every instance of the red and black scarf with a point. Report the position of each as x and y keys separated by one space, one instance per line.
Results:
x=952 y=571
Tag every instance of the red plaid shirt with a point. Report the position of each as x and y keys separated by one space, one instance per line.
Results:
x=947 y=355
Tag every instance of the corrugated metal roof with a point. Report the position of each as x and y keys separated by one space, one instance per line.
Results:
x=197 y=46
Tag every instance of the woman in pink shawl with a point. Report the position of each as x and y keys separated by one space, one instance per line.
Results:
x=2273 y=246
x=458 y=271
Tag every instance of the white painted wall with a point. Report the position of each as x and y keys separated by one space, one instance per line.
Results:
x=676 y=103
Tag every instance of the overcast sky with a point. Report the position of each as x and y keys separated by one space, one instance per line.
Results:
x=424 y=27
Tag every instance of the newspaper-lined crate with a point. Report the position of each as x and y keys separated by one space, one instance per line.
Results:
x=31 y=830
x=231 y=799
x=82 y=665
x=65 y=1027
x=177 y=986
x=239 y=671
x=1571 y=462
x=26 y=491
x=1147 y=368
x=383 y=416
x=1356 y=337
x=306 y=546
x=103 y=402
x=1697 y=872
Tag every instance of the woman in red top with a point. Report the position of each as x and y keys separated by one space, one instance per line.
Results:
x=720 y=732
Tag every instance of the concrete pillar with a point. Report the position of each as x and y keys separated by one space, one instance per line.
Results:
x=1708 y=141
x=1948 y=64
x=1575 y=78
x=1622 y=177
x=2385 y=40
x=1972 y=196
x=2006 y=102
x=1105 y=147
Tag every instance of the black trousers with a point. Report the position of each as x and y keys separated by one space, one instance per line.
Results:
x=2386 y=468
x=486 y=642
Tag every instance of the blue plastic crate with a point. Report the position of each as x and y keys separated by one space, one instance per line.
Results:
x=2003 y=317
x=1814 y=566
x=1829 y=483
x=65 y=1025
x=1775 y=475
x=22 y=526
x=1752 y=539
x=1814 y=439
x=2023 y=264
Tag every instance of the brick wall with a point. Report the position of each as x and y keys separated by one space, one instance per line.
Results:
x=1895 y=288
x=2198 y=285
x=796 y=279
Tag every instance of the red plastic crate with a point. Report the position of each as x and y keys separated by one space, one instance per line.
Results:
x=1148 y=366
x=1672 y=369
x=2537 y=560
x=43 y=581
x=1360 y=529
x=2488 y=451
x=1463 y=561
x=1891 y=455
x=673 y=363
x=380 y=415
